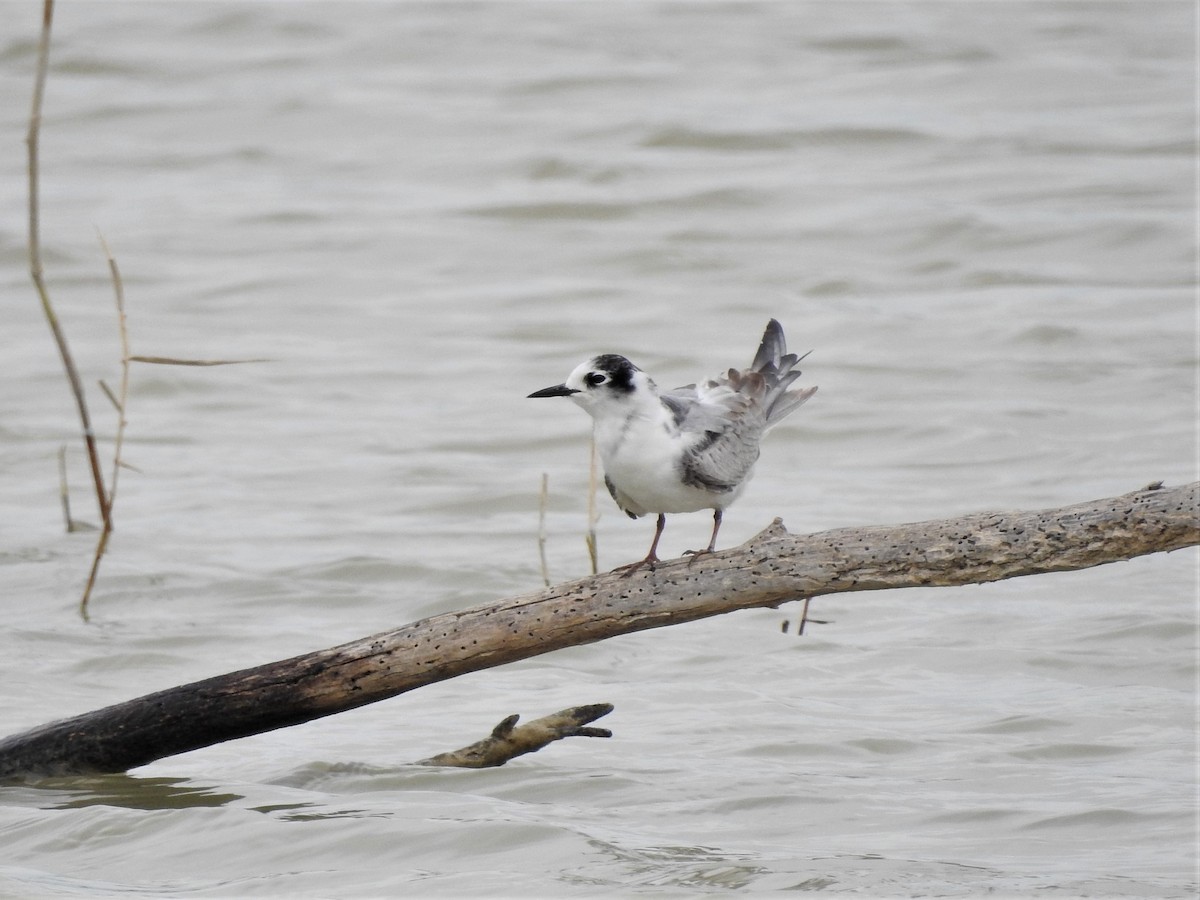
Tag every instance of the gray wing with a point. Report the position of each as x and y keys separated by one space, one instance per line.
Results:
x=725 y=418
x=721 y=429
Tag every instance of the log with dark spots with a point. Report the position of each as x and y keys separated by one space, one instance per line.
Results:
x=772 y=568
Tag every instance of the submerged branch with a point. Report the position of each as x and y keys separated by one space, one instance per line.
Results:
x=772 y=568
x=509 y=740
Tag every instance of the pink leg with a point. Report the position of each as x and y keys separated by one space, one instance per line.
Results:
x=712 y=542
x=652 y=556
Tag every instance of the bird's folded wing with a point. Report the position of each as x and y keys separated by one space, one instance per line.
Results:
x=719 y=462
x=720 y=428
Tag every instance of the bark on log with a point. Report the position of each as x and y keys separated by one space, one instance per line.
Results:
x=772 y=568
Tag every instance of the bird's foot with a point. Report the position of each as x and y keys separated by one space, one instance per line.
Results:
x=628 y=570
x=693 y=555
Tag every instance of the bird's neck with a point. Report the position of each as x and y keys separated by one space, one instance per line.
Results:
x=615 y=423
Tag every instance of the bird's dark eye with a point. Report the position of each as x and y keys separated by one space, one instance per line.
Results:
x=595 y=378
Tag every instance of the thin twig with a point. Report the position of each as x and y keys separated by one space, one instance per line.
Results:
x=593 y=553
x=112 y=398
x=119 y=401
x=172 y=361
x=803 y=617
x=123 y=392
x=541 y=539
x=64 y=493
x=35 y=261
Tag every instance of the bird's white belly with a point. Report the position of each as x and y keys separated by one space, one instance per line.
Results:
x=642 y=462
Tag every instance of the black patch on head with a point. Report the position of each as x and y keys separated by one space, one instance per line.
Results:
x=619 y=371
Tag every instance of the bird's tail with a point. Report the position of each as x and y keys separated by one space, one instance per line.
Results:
x=774 y=363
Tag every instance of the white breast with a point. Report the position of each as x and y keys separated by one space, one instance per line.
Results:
x=641 y=457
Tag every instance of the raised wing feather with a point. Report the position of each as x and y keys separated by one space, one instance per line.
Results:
x=725 y=418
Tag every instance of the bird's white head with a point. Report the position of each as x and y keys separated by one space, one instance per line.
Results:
x=604 y=385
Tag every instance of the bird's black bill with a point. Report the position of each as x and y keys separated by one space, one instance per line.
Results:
x=559 y=390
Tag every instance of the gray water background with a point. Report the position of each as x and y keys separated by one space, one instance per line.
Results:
x=979 y=216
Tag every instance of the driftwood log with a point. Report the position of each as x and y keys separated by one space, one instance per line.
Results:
x=772 y=568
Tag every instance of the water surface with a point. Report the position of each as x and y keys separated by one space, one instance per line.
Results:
x=980 y=217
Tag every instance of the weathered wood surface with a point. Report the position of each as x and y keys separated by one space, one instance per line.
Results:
x=772 y=568
x=509 y=740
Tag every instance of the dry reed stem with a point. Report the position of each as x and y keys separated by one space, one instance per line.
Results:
x=108 y=392
x=64 y=493
x=592 y=516
x=803 y=617
x=174 y=361
x=123 y=392
x=119 y=401
x=105 y=497
x=35 y=262
x=541 y=537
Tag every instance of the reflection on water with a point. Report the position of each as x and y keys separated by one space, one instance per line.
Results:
x=125 y=791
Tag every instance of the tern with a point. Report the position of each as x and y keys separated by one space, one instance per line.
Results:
x=687 y=449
